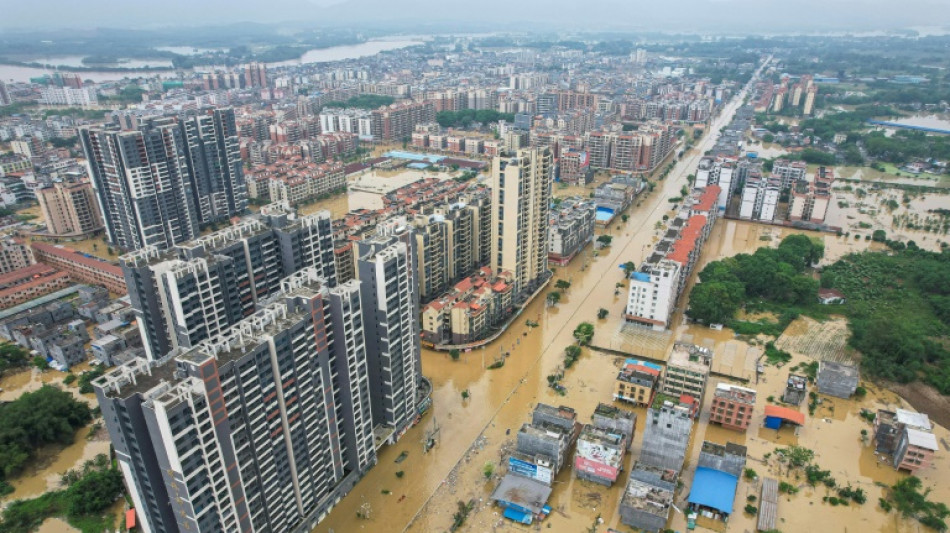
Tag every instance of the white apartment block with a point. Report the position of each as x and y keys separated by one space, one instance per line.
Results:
x=652 y=295
x=69 y=96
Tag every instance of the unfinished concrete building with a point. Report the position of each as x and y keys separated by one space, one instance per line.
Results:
x=837 y=379
x=563 y=417
x=616 y=420
x=543 y=444
x=546 y=440
x=648 y=497
x=795 y=389
x=729 y=458
x=889 y=425
x=666 y=436
x=687 y=371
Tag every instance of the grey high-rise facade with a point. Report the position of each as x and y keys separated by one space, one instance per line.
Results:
x=195 y=290
x=261 y=428
x=142 y=184
x=158 y=184
x=214 y=158
x=385 y=267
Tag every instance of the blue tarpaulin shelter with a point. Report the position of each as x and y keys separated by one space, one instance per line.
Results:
x=518 y=516
x=713 y=489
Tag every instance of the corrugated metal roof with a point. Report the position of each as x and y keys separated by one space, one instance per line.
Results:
x=714 y=488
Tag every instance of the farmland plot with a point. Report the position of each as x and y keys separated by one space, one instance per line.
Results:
x=821 y=341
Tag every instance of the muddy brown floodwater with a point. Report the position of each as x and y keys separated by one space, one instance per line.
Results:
x=476 y=430
x=52 y=461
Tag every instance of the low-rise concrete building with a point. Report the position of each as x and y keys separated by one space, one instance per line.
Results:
x=637 y=381
x=795 y=388
x=714 y=485
x=22 y=285
x=687 y=371
x=599 y=455
x=915 y=450
x=907 y=437
x=666 y=435
x=602 y=444
x=571 y=227
x=889 y=426
x=837 y=379
x=82 y=266
x=732 y=406
x=648 y=497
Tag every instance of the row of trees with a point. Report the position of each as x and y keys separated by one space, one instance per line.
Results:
x=773 y=275
x=466 y=117
x=364 y=101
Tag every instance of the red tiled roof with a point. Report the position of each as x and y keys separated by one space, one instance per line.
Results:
x=687 y=241
x=38 y=282
x=785 y=413
x=31 y=271
x=642 y=368
x=830 y=293
x=72 y=255
x=707 y=200
x=464 y=286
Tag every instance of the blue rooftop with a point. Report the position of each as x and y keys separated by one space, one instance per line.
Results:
x=518 y=516
x=654 y=366
x=412 y=156
x=640 y=276
x=714 y=489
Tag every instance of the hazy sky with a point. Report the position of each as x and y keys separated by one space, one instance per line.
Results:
x=714 y=16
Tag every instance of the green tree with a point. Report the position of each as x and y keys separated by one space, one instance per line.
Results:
x=95 y=492
x=602 y=313
x=584 y=333
x=45 y=416
x=554 y=297
x=715 y=302
x=13 y=356
x=454 y=354
x=562 y=284
x=628 y=268
x=488 y=470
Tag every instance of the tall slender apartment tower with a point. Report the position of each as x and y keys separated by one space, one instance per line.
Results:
x=142 y=184
x=261 y=428
x=156 y=185
x=196 y=290
x=385 y=267
x=214 y=157
x=521 y=197
x=4 y=95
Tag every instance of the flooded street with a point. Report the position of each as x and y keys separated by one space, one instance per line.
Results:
x=473 y=430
